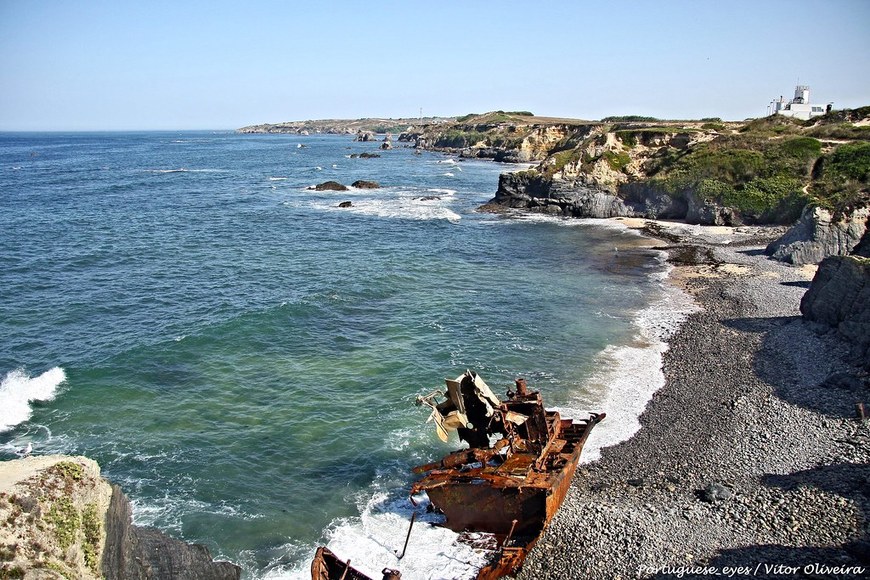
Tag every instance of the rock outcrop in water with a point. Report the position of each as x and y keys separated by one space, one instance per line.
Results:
x=61 y=519
x=329 y=186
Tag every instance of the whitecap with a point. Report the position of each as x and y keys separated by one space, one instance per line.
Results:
x=277 y=178
x=448 y=174
x=18 y=390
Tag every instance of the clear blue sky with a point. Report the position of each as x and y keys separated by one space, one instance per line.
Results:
x=219 y=65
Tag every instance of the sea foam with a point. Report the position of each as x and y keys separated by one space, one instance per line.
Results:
x=374 y=540
x=18 y=390
x=628 y=375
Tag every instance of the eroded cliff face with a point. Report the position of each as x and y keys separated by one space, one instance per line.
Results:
x=839 y=298
x=60 y=519
x=817 y=235
x=606 y=174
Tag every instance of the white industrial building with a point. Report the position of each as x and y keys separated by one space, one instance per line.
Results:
x=799 y=107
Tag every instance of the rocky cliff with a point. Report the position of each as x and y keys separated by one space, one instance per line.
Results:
x=764 y=171
x=839 y=298
x=817 y=235
x=60 y=519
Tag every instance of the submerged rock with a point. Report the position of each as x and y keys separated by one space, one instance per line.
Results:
x=345 y=204
x=363 y=184
x=329 y=186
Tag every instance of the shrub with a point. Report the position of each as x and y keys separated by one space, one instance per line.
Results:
x=852 y=161
x=617 y=161
x=92 y=528
x=770 y=199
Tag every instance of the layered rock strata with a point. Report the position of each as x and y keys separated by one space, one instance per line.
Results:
x=61 y=519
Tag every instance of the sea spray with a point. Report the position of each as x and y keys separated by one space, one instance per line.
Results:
x=18 y=390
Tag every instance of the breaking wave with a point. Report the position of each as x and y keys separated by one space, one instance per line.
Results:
x=18 y=390
x=627 y=376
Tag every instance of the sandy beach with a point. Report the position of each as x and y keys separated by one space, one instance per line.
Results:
x=750 y=461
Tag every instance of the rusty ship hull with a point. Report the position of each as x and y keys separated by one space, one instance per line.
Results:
x=513 y=497
x=509 y=482
x=510 y=489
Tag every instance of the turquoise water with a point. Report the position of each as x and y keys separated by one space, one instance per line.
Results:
x=242 y=355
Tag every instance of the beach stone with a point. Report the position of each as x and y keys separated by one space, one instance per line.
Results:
x=714 y=492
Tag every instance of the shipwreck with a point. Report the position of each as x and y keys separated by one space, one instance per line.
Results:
x=509 y=481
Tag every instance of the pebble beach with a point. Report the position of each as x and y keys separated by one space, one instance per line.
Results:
x=750 y=461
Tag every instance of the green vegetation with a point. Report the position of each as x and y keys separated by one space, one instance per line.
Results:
x=842 y=178
x=558 y=161
x=65 y=518
x=763 y=171
x=93 y=529
x=494 y=116
x=630 y=119
x=631 y=137
x=852 y=161
x=617 y=161
x=459 y=139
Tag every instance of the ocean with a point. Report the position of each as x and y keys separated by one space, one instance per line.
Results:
x=242 y=355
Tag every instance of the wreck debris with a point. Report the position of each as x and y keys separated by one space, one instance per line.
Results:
x=508 y=483
x=328 y=566
x=511 y=487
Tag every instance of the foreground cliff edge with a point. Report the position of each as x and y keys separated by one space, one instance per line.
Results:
x=59 y=518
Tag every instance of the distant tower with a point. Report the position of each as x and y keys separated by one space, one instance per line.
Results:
x=801 y=95
x=421 y=114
